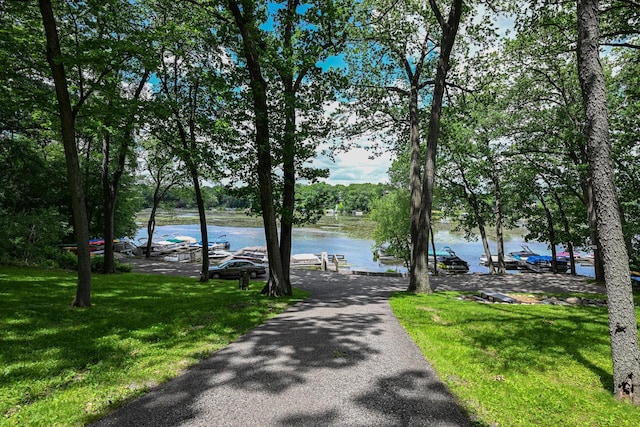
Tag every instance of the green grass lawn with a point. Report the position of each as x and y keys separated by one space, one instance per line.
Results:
x=64 y=366
x=519 y=365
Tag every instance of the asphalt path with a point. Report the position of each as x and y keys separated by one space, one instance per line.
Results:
x=339 y=358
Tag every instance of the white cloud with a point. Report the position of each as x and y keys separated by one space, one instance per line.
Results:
x=355 y=167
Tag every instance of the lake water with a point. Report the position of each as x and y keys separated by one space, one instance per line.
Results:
x=358 y=252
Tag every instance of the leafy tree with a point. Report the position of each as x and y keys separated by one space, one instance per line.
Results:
x=624 y=98
x=193 y=92
x=392 y=230
x=467 y=166
x=547 y=112
x=301 y=37
x=163 y=170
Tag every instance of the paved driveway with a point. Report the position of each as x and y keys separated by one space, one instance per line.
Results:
x=339 y=358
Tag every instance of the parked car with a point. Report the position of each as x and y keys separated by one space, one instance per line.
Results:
x=233 y=268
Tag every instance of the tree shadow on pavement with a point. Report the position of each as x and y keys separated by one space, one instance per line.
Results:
x=412 y=398
x=284 y=352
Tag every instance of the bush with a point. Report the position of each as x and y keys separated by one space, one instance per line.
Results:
x=69 y=261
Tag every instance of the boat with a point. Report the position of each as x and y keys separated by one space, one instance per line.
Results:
x=510 y=263
x=447 y=261
x=305 y=260
x=219 y=254
x=522 y=255
x=167 y=246
x=544 y=263
x=257 y=254
x=216 y=244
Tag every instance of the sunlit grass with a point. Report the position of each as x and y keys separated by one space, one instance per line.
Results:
x=64 y=366
x=519 y=365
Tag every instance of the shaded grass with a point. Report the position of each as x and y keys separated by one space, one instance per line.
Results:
x=519 y=365
x=65 y=366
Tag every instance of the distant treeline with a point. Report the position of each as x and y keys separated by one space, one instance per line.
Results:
x=317 y=196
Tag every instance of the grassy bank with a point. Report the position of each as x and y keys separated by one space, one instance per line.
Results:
x=64 y=366
x=519 y=365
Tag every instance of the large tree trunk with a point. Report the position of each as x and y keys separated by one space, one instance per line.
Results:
x=449 y=31
x=289 y=177
x=419 y=266
x=245 y=21
x=67 y=119
x=622 y=321
x=288 y=144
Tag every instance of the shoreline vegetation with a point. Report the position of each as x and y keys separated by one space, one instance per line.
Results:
x=353 y=226
x=356 y=226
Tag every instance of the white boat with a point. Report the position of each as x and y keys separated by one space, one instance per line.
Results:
x=257 y=254
x=510 y=263
x=305 y=260
x=219 y=254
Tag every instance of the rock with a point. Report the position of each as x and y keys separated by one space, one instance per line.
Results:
x=574 y=301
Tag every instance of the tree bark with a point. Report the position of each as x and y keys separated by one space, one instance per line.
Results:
x=191 y=146
x=67 y=119
x=288 y=145
x=419 y=266
x=498 y=215
x=449 y=31
x=622 y=321
x=277 y=285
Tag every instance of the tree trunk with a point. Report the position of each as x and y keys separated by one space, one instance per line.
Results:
x=289 y=177
x=191 y=146
x=472 y=199
x=623 y=329
x=67 y=119
x=111 y=186
x=108 y=205
x=419 y=266
x=593 y=230
x=204 y=271
x=435 y=255
x=151 y=224
x=552 y=232
x=567 y=231
x=245 y=21
x=288 y=144
x=498 y=215
x=449 y=31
